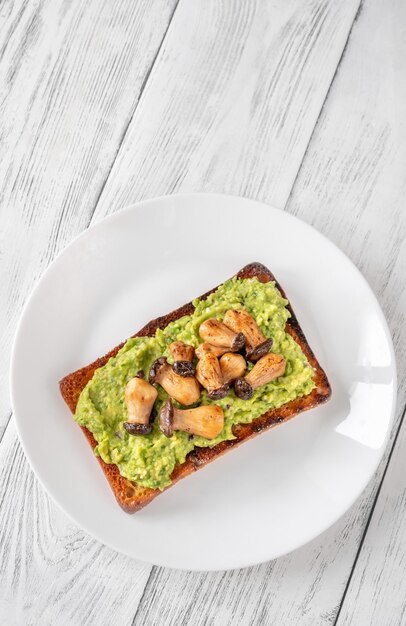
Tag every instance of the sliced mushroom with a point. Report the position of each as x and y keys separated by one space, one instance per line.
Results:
x=268 y=368
x=205 y=347
x=182 y=358
x=256 y=344
x=232 y=366
x=208 y=373
x=185 y=390
x=204 y=421
x=139 y=397
x=218 y=334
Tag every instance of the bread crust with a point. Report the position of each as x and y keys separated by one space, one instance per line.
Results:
x=131 y=496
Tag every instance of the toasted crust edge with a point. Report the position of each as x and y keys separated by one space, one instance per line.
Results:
x=132 y=497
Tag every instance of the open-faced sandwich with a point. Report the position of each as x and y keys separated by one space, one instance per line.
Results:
x=194 y=384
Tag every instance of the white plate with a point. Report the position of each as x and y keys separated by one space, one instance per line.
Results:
x=274 y=493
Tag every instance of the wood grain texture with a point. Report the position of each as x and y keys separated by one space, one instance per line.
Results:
x=299 y=33
x=356 y=165
x=70 y=79
x=302 y=588
x=376 y=593
x=377 y=590
x=51 y=572
x=351 y=187
x=352 y=184
x=229 y=106
x=232 y=107
x=70 y=75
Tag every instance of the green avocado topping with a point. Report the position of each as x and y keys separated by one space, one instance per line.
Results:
x=149 y=460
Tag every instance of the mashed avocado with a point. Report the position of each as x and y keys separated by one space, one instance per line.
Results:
x=149 y=460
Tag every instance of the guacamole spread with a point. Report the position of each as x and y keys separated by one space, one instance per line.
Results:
x=149 y=460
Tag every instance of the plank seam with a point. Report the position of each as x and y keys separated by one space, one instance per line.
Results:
x=123 y=134
x=340 y=60
x=370 y=516
x=6 y=426
x=125 y=130
x=153 y=568
x=119 y=144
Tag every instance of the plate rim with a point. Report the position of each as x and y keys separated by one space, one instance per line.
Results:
x=116 y=215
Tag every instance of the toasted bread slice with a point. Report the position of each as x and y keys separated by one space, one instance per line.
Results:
x=132 y=497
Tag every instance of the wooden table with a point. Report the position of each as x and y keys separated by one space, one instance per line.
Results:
x=297 y=103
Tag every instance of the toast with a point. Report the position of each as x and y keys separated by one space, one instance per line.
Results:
x=131 y=496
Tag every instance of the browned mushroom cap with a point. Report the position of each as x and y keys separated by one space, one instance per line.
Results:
x=268 y=368
x=184 y=368
x=166 y=418
x=139 y=397
x=259 y=351
x=232 y=366
x=256 y=344
x=208 y=374
x=218 y=334
x=185 y=390
x=221 y=392
x=205 y=347
x=182 y=358
x=243 y=389
x=205 y=421
x=155 y=369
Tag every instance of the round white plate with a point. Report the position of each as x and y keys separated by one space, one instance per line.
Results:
x=274 y=493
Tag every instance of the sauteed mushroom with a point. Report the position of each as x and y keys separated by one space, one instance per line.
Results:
x=185 y=390
x=268 y=368
x=232 y=366
x=208 y=373
x=205 y=421
x=218 y=334
x=256 y=344
x=139 y=397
